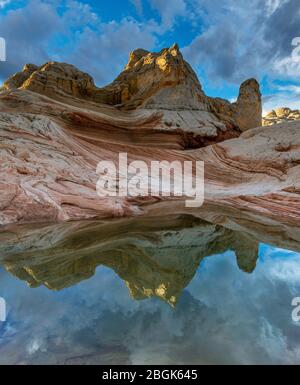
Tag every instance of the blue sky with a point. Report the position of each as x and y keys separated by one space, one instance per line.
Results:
x=226 y=42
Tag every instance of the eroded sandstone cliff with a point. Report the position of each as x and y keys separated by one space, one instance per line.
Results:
x=54 y=130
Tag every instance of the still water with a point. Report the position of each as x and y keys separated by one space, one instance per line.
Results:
x=136 y=293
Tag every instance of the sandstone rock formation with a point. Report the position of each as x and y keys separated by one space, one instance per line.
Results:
x=50 y=151
x=50 y=147
x=281 y=115
x=17 y=80
x=248 y=113
x=157 y=82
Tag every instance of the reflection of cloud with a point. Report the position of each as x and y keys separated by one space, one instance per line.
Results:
x=34 y=346
x=224 y=316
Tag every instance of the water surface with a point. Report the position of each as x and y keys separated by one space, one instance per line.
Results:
x=180 y=293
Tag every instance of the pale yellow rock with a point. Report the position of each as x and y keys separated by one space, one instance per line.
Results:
x=281 y=115
x=18 y=79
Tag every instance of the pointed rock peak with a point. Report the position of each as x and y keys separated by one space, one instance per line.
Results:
x=30 y=68
x=135 y=56
x=250 y=88
x=249 y=105
x=175 y=46
x=16 y=80
x=250 y=84
x=174 y=49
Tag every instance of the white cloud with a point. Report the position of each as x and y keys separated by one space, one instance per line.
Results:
x=104 y=52
x=283 y=96
x=281 y=100
x=139 y=6
x=224 y=316
x=221 y=50
x=290 y=88
x=287 y=67
x=169 y=11
x=273 y=5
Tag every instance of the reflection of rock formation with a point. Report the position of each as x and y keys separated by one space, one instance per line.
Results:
x=154 y=256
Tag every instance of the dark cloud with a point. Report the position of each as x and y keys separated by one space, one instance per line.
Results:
x=245 y=39
x=27 y=32
x=215 y=52
x=38 y=33
x=104 y=52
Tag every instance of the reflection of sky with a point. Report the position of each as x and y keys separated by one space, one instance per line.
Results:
x=224 y=316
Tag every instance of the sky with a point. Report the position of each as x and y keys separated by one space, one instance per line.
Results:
x=226 y=42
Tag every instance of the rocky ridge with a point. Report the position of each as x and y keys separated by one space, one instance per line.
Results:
x=162 y=83
x=281 y=115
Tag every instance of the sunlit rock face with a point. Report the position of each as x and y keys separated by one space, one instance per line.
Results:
x=281 y=115
x=154 y=256
x=17 y=80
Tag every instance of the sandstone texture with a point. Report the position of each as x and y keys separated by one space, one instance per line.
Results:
x=50 y=151
x=55 y=126
x=281 y=115
x=248 y=108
